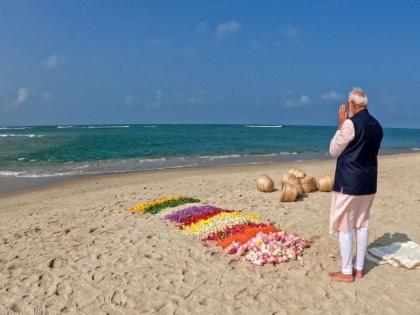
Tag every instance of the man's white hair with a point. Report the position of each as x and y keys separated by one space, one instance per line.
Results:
x=358 y=97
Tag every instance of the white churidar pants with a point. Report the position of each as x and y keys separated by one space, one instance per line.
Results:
x=346 y=250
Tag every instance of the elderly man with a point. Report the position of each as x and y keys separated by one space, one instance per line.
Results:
x=355 y=145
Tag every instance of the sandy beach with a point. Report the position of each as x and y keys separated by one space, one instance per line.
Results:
x=71 y=247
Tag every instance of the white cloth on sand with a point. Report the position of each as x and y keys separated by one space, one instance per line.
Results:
x=398 y=254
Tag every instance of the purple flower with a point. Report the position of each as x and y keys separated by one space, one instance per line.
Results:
x=184 y=214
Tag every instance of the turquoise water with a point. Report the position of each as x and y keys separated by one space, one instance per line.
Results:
x=74 y=150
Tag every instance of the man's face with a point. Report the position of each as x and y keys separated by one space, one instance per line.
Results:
x=350 y=108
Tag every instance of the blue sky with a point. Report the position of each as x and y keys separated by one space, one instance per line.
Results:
x=271 y=62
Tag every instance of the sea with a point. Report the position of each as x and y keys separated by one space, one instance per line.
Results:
x=65 y=151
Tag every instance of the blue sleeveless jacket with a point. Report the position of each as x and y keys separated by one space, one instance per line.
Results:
x=356 y=172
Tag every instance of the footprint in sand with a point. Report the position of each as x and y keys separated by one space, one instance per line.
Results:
x=57 y=262
x=64 y=290
x=14 y=307
x=119 y=298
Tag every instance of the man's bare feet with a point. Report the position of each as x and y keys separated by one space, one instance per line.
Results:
x=341 y=277
x=357 y=274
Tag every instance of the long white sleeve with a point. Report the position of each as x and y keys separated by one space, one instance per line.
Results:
x=342 y=138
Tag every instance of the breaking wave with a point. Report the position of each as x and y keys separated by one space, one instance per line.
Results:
x=5 y=135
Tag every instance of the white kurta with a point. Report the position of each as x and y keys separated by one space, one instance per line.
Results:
x=347 y=211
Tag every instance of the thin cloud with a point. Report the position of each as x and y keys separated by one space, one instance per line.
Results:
x=257 y=45
x=158 y=43
x=202 y=27
x=304 y=99
x=131 y=100
x=331 y=96
x=22 y=96
x=290 y=32
x=197 y=98
x=298 y=102
x=54 y=61
x=227 y=29
x=46 y=96
x=157 y=100
x=154 y=101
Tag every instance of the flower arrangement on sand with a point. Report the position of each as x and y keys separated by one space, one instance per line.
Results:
x=166 y=211
x=183 y=215
x=277 y=247
x=156 y=205
x=229 y=231
x=219 y=222
x=236 y=232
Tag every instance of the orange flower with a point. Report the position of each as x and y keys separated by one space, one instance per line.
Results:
x=246 y=235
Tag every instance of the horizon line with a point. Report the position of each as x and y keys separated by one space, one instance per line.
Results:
x=174 y=123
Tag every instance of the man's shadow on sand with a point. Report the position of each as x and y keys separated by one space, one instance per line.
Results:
x=385 y=239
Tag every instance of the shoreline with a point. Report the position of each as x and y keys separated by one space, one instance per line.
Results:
x=55 y=182
x=24 y=185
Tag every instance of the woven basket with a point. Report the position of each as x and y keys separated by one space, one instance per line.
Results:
x=325 y=183
x=309 y=184
x=297 y=172
x=293 y=180
x=288 y=192
x=265 y=184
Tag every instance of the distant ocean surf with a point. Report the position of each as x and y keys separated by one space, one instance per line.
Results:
x=265 y=126
x=70 y=150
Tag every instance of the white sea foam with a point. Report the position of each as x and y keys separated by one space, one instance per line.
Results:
x=5 y=135
x=287 y=153
x=264 y=126
x=165 y=168
x=14 y=128
x=105 y=127
x=262 y=155
x=76 y=171
x=149 y=126
x=153 y=160
x=34 y=174
x=97 y=126
x=9 y=173
x=214 y=157
x=81 y=167
x=415 y=149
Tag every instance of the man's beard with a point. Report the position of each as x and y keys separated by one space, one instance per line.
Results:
x=351 y=114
